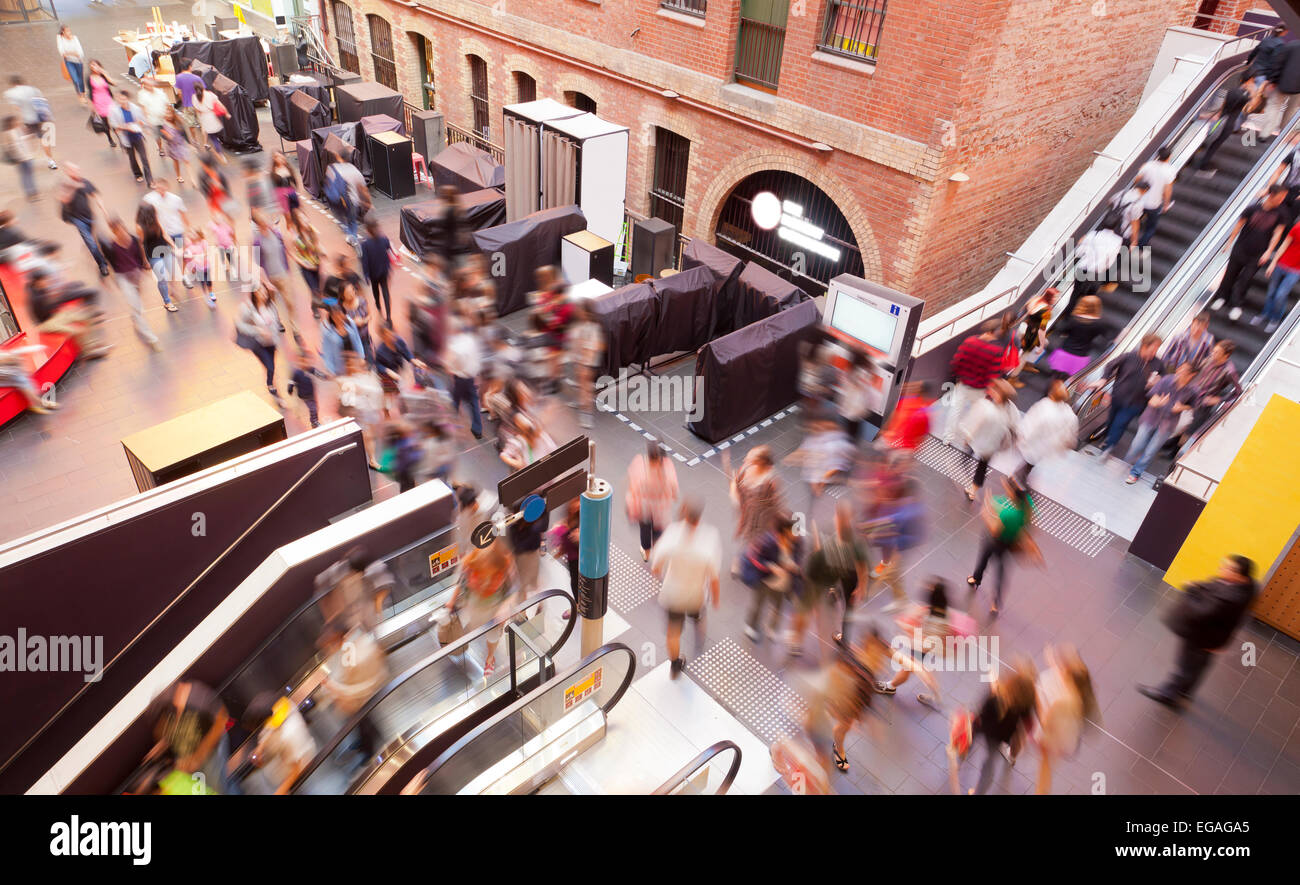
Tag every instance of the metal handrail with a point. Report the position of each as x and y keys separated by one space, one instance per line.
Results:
x=455 y=648
x=964 y=321
x=703 y=759
x=184 y=593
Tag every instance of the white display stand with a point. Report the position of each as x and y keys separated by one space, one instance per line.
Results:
x=602 y=171
x=589 y=289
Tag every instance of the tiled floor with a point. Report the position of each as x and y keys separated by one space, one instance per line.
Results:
x=1239 y=736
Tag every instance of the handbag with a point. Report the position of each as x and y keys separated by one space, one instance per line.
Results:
x=450 y=630
x=97 y=124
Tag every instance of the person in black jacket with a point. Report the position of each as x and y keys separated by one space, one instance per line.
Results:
x=1265 y=59
x=1128 y=397
x=1227 y=120
x=1287 y=80
x=1204 y=619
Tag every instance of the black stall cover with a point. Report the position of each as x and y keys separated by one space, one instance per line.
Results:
x=344 y=132
x=373 y=125
x=282 y=117
x=526 y=244
x=628 y=316
x=466 y=168
x=421 y=223
x=726 y=268
x=761 y=293
x=687 y=310
x=307 y=113
x=241 y=127
x=308 y=170
x=240 y=59
x=751 y=373
x=364 y=99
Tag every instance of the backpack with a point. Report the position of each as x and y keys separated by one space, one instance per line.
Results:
x=335 y=187
x=1113 y=219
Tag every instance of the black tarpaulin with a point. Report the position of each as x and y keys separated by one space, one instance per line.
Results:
x=344 y=132
x=751 y=373
x=686 y=312
x=526 y=244
x=240 y=124
x=726 y=269
x=365 y=99
x=308 y=171
x=466 y=168
x=628 y=316
x=373 y=125
x=240 y=59
x=761 y=293
x=282 y=115
x=307 y=114
x=422 y=223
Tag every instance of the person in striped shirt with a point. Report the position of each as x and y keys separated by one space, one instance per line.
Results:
x=976 y=363
x=1192 y=345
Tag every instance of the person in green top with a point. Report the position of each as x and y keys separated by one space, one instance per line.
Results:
x=1007 y=520
x=841 y=562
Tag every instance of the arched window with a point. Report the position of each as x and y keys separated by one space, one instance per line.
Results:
x=381 y=51
x=584 y=103
x=525 y=87
x=478 y=95
x=668 y=189
x=809 y=243
x=346 y=40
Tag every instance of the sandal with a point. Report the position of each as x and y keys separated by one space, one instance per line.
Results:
x=841 y=761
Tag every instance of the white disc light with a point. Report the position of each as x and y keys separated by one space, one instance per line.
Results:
x=766 y=209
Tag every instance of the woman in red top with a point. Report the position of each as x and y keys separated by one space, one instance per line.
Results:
x=908 y=426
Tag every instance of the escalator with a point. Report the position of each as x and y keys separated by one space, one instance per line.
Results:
x=709 y=774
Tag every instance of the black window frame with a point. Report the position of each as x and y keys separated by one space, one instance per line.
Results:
x=349 y=57
x=671 y=166
x=864 y=18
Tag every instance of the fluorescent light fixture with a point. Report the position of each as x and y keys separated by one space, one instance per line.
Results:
x=766 y=209
x=803 y=227
x=793 y=236
x=792 y=208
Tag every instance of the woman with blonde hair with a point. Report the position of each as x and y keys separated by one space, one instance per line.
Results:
x=1078 y=332
x=487 y=584
x=1065 y=700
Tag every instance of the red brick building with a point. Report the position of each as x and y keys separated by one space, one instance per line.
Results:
x=875 y=103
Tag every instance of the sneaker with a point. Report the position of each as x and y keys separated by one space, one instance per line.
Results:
x=1234 y=314
x=1216 y=304
x=171 y=307
x=1130 y=479
x=212 y=301
x=752 y=634
x=884 y=688
x=103 y=271
x=894 y=606
x=675 y=669
x=878 y=570
x=927 y=700
x=1257 y=319
x=1006 y=754
x=53 y=165
x=1271 y=327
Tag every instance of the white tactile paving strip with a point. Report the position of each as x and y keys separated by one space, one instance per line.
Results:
x=630 y=581
x=749 y=690
x=1084 y=535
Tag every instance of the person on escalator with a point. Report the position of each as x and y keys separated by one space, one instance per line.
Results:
x=1283 y=272
x=189 y=728
x=1192 y=345
x=1159 y=175
x=357 y=667
x=1225 y=122
x=355 y=588
x=1078 y=332
x=487 y=585
x=1132 y=375
x=1254 y=240
x=281 y=745
x=1288 y=175
x=1215 y=382
x=1170 y=398
x=1287 y=82
x=1265 y=59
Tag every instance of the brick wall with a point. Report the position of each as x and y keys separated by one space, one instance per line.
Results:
x=1015 y=93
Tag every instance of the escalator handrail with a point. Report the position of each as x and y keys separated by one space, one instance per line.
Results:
x=1088 y=220
x=305 y=607
x=608 y=648
x=432 y=660
x=1160 y=305
x=703 y=759
x=221 y=557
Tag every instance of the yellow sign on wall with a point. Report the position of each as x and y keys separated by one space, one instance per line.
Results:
x=1256 y=507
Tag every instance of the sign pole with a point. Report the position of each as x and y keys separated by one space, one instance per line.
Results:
x=593 y=555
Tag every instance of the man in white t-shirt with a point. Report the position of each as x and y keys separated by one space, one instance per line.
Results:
x=357 y=201
x=172 y=218
x=1159 y=175
x=34 y=111
x=464 y=361
x=688 y=559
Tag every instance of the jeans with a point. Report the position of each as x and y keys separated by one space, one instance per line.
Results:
x=1145 y=445
x=28 y=180
x=764 y=596
x=1237 y=278
x=1120 y=418
x=1279 y=289
x=131 y=292
x=86 y=228
x=77 y=73
x=378 y=287
x=464 y=390
x=351 y=217
x=265 y=354
x=649 y=534
x=311 y=412
x=995 y=549
x=137 y=151
x=162 y=269
x=990 y=763
x=1150 y=218
x=981 y=473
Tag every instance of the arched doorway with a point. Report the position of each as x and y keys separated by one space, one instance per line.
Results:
x=810 y=241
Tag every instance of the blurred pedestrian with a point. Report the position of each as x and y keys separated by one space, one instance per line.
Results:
x=585 y=344
x=757 y=492
x=126 y=257
x=362 y=399
x=20 y=152
x=74 y=60
x=688 y=559
x=771 y=570
x=1003 y=718
x=487 y=586
x=338 y=337
x=464 y=360
x=377 y=257
x=303 y=385
x=101 y=98
x=838 y=564
x=1132 y=376
x=1048 y=430
x=257 y=329
x=989 y=428
x=977 y=362
x=651 y=493
x=909 y=423
x=128 y=121
x=1006 y=520
x=1171 y=396
x=280 y=743
x=78 y=200
x=1065 y=701
x=1078 y=333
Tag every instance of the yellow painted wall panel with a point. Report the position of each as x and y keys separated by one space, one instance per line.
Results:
x=1256 y=507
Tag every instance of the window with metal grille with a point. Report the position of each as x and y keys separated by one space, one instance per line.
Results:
x=584 y=103
x=668 y=190
x=690 y=7
x=478 y=94
x=525 y=87
x=760 y=42
x=347 y=41
x=424 y=52
x=381 y=51
x=852 y=28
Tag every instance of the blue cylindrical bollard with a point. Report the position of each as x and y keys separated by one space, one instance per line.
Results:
x=593 y=560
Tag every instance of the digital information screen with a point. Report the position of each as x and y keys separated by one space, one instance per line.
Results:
x=873 y=327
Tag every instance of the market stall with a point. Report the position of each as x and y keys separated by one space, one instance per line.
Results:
x=466 y=168
x=241 y=59
x=526 y=244
x=422 y=227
